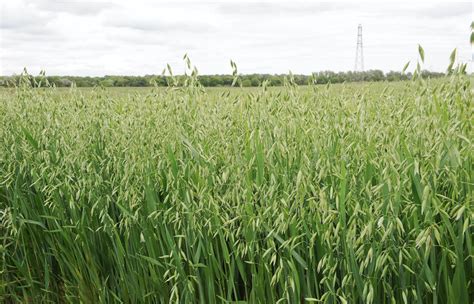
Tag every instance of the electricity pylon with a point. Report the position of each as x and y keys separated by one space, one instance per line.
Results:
x=359 y=60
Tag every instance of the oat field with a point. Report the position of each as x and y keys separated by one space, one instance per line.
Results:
x=348 y=193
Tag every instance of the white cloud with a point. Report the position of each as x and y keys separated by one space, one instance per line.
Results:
x=139 y=37
x=74 y=7
x=285 y=8
x=154 y=23
x=20 y=16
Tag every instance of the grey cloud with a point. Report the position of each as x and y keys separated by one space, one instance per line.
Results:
x=30 y=36
x=21 y=22
x=27 y=26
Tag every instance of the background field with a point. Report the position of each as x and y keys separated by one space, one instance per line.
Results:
x=348 y=193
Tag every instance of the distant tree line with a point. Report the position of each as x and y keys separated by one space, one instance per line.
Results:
x=250 y=80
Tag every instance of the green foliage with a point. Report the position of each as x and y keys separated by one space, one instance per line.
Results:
x=253 y=80
x=421 y=52
x=347 y=193
x=405 y=67
x=472 y=32
x=452 y=59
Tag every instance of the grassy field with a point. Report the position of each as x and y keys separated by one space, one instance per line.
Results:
x=351 y=193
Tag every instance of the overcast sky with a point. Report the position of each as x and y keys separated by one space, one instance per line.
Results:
x=67 y=37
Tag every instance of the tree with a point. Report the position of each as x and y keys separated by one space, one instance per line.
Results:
x=64 y=82
x=247 y=83
x=107 y=83
x=255 y=82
